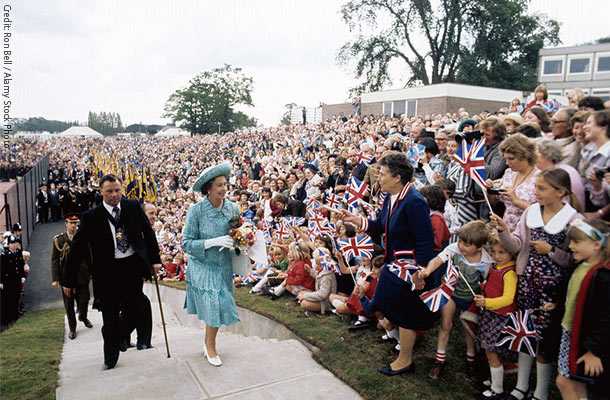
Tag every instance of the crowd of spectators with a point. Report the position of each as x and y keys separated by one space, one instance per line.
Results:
x=20 y=157
x=546 y=164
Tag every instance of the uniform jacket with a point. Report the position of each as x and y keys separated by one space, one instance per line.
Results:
x=11 y=269
x=59 y=258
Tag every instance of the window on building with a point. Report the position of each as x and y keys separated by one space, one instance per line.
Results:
x=552 y=67
x=399 y=108
x=387 y=108
x=554 y=92
x=411 y=108
x=603 y=64
x=579 y=65
x=603 y=93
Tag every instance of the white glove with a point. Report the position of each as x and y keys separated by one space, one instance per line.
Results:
x=224 y=242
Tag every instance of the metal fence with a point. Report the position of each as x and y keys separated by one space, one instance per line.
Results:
x=19 y=201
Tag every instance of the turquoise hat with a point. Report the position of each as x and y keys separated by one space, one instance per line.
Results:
x=222 y=169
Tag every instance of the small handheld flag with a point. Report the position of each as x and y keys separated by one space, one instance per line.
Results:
x=519 y=333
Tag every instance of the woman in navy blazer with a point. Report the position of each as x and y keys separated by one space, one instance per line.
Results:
x=406 y=231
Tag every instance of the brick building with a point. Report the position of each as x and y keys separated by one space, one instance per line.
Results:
x=431 y=99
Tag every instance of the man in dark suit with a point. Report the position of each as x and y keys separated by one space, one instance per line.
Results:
x=122 y=247
x=42 y=201
x=54 y=203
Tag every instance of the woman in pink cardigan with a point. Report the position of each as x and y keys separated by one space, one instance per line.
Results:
x=541 y=241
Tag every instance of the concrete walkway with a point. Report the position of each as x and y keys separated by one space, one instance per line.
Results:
x=262 y=360
x=38 y=290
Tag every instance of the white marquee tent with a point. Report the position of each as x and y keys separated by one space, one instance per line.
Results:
x=172 y=131
x=80 y=131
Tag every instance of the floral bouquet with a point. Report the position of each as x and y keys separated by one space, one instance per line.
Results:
x=243 y=233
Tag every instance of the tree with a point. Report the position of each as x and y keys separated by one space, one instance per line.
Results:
x=105 y=123
x=433 y=39
x=506 y=43
x=286 y=117
x=210 y=98
x=39 y=124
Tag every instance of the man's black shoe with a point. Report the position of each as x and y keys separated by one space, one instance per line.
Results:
x=72 y=335
x=97 y=304
x=87 y=323
x=109 y=364
x=388 y=371
x=125 y=344
x=110 y=360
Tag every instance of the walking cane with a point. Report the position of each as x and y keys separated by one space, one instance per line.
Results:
x=161 y=311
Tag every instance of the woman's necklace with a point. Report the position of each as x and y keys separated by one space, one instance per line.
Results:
x=522 y=178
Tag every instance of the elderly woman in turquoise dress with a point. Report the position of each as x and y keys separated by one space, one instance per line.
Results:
x=206 y=240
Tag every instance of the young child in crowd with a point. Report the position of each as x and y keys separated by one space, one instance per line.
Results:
x=168 y=269
x=451 y=214
x=472 y=261
x=366 y=277
x=298 y=276
x=540 y=239
x=276 y=270
x=179 y=261
x=496 y=302
x=326 y=284
x=584 y=355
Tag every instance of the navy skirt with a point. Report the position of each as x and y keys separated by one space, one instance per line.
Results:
x=399 y=304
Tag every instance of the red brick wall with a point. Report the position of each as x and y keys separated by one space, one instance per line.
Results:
x=372 y=108
x=473 y=106
x=331 y=110
x=432 y=105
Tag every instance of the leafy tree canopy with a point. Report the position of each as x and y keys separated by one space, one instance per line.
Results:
x=482 y=42
x=209 y=98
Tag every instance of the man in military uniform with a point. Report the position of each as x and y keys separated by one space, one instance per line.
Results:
x=61 y=247
x=12 y=275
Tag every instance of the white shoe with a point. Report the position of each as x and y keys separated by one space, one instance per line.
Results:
x=215 y=361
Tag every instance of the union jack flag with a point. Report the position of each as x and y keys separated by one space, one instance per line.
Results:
x=436 y=299
x=294 y=221
x=471 y=159
x=451 y=275
x=328 y=264
x=318 y=224
x=404 y=269
x=312 y=204
x=359 y=246
x=519 y=333
x=355 y=192
x=282 y=231
x=365 y=159
x=332 y=200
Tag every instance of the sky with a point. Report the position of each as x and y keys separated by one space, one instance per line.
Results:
x=129 y=56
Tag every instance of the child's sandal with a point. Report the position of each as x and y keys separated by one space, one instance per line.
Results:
x=511 y=397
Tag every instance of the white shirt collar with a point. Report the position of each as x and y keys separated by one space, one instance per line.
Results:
x=109 y=208
x=556 y=224
x=604 y=150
